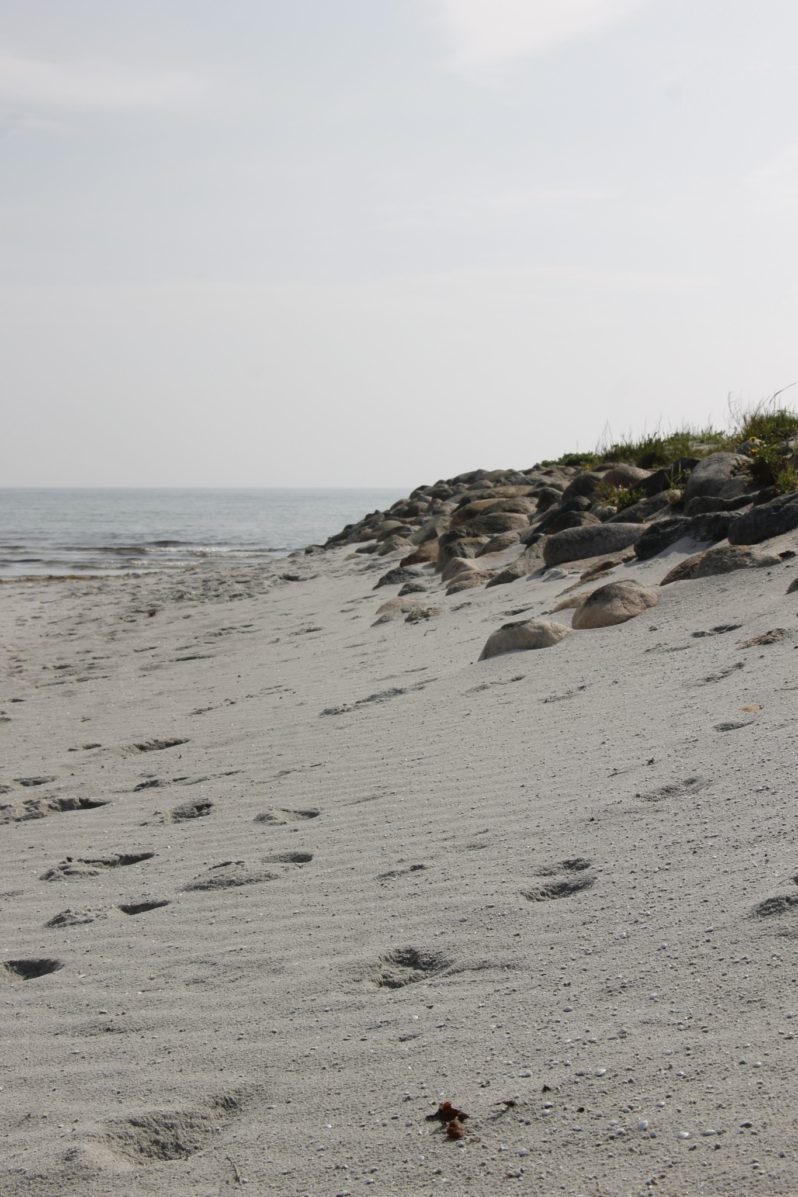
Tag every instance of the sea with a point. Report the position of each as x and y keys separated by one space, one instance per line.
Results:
x=59 y=532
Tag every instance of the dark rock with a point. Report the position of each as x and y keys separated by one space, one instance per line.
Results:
x=669 y=477
x=660 y=535
x=770 y=519
x=575 y=503
x=547 y=496
x=721 y=476
x=531 y=536
x=714 y=525
x=576 y=543
x=559 y=520
x=706 y=504
x=585 y=484
x=642 y=512
x=393 y=528
x=497 y=544
x=395 y=577
x=721 y=560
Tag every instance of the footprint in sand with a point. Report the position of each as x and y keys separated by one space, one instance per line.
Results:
x=296 y=858
x=781 y=904
x=392 y=874
x=92 y=866
x=189 y=810
x=144 y=906
x=283 y=815
x=155 y=745
x=38 y=808
x=675 y=789
x=29 y=970
x=229 y=875
x=75 y=918
x=157 y=1136
x=567 y=878
x=407 y=966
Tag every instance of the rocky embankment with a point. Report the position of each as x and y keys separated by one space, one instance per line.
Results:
x=492 y=528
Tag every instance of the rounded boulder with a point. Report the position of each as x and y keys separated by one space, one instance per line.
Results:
x=594 y=540
x=614 y=603
x=523 y=635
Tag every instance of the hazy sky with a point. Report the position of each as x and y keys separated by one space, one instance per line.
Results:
x=378 y=242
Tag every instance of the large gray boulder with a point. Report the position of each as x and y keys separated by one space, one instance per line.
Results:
x=723 y=559
x=559 y=520
x=626 y=475
x=573 y=544
x=721 y=475
x=493 y=522
x=658 y=536
x=547 y=496
x=500 y=542
x=770 y=519
x=584 y=484
x=524 y=635
x=480 y=508
x=614 y=603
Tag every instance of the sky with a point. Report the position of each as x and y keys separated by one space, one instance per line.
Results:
x=381 y=242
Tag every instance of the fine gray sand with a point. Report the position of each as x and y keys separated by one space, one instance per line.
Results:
x=277 y=881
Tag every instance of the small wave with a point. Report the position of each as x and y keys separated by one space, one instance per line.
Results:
x=113 y=550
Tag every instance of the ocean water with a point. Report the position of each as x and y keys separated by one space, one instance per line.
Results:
x=57 y=532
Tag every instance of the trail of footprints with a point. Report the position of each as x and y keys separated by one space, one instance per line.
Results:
x=225 y=875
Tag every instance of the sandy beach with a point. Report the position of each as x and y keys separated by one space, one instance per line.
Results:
x=279 y=878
